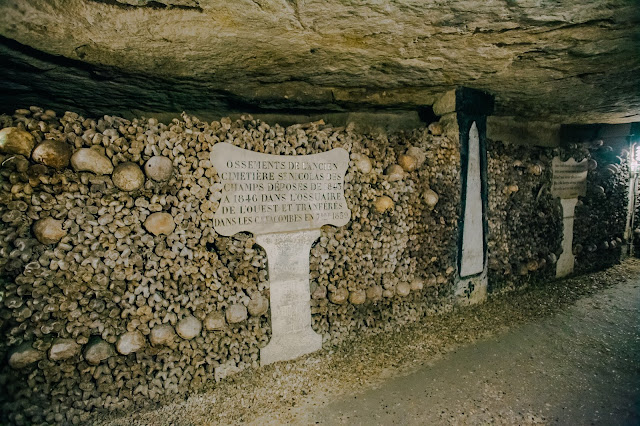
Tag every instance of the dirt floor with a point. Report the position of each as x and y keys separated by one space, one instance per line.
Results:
x=567 y=352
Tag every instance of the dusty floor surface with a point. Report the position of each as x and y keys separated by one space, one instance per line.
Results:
x=567 y=352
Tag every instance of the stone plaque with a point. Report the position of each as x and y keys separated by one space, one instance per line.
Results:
x=263 y=193
x=569 y=182
x=569 y=178
x=283 y=201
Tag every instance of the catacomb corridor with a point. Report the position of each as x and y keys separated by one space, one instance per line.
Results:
x=319 y=212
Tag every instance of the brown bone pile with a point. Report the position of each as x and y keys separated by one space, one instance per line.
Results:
x=525 y=221
x=115 y=290
x=601 y=216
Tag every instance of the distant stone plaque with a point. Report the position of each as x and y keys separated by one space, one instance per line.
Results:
x=283 y=201
x=568 y=183
x=569 y=178
x=265 y=194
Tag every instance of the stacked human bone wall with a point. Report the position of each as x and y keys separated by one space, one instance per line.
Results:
x=525 y=220
x=117 y=292
x=601 y=215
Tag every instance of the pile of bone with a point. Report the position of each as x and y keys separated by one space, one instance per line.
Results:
x=525 y=221
x=117 y=290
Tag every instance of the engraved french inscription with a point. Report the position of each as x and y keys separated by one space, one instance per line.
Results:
x=568 y=183
x=569 y=178
x=264 y=193
x=283 y=201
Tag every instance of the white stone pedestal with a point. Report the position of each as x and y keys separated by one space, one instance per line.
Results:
x=566 y=261
x=288 y=257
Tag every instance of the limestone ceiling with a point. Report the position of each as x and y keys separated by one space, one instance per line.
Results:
x=566 y=61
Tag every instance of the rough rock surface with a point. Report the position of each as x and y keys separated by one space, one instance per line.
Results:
x=162 y=334
x=91 y=160
x=158 y=168
x=97 y=351
x=63 y=349
x=188 y=327
x=128 y=176
x=16 y=141
x=215 y=321
x=49 y=230
x=130 y=342
x=539 y=58
x=160 y=223
x=236 y=314
x=24 y=355
x=52 y=153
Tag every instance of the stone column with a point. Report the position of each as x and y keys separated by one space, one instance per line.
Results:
x=464 y=118
x=288 y=263
x=566 y=260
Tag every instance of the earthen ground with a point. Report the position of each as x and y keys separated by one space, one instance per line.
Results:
x=562 y=352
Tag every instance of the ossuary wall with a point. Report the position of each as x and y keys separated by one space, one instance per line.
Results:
x=525 y=220
x=117 y=292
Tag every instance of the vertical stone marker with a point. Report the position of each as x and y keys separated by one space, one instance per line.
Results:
x=283 y=201
x=472 y=262
x=463 y=113
x=569 y=181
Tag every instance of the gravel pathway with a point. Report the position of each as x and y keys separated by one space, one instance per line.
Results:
x=567 y=352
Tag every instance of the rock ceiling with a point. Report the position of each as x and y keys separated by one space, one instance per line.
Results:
x=569 y=61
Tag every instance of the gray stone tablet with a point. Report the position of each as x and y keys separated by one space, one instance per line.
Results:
x=472 y=262
x=283 y=201
x=569 y=181
x=569 y=178
x=263 y=193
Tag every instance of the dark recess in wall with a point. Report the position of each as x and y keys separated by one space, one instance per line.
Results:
x=427 y=115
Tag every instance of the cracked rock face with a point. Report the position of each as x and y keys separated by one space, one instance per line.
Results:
x=63 y=349
x=24 y=355
x=98 y=351
x=569 y=61
x=130 y=342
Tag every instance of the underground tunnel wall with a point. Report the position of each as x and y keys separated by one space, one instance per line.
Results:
x=525 y=220
x=117 y=293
